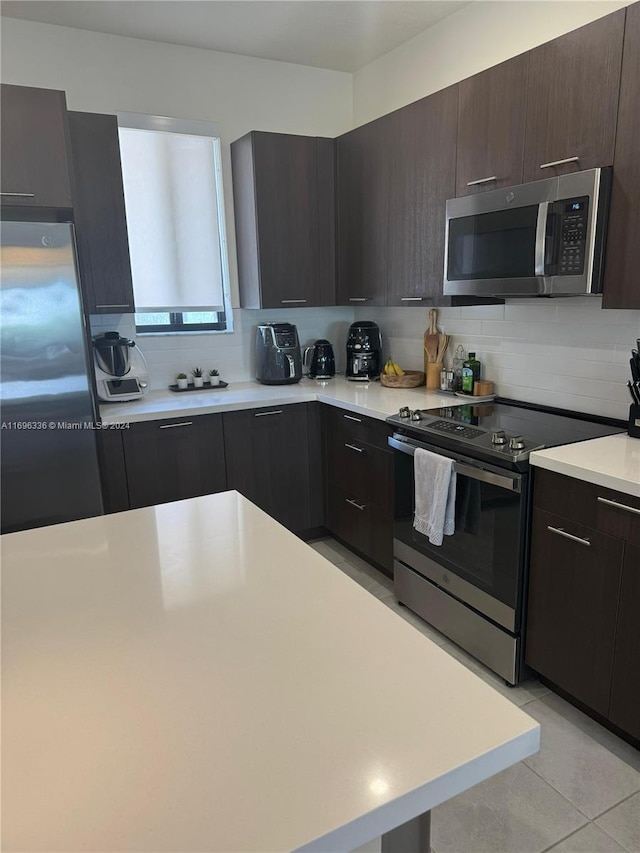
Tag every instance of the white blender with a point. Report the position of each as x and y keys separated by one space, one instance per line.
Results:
x=121 y=370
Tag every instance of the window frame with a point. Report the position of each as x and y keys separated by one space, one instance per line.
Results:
x=224 y=322
x=176 y=324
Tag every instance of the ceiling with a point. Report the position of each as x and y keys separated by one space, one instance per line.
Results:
x=342 y=35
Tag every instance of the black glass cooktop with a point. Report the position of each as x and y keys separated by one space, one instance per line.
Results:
x=474 y=426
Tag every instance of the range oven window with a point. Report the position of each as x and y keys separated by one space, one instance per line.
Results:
x=500 y=244
x=486 y=549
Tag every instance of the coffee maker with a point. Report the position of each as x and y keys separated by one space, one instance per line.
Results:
x=278 y=360
x=121 y=369
x=364 y=351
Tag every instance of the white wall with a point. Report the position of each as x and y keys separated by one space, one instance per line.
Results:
x=476 y=37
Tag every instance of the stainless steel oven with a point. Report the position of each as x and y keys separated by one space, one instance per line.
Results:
x=471 y=587
x=541 y=239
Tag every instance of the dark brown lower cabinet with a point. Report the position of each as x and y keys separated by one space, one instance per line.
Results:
x=624 y=711
x=583 y=613
x=573 y=602
x=269 y=454
x=359 y=485
x=171 y=460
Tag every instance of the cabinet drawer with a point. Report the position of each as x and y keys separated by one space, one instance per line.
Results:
x=356 y=427
x=605 y=510
x=359 y=468
x=574 y=589
x=365 y=526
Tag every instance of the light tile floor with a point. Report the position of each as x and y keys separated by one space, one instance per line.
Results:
x=579 y=794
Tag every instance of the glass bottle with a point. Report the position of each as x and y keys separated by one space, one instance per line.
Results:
x=470 y=373
x=458 y=364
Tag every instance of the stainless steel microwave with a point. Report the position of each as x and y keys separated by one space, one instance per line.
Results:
x=541 y=239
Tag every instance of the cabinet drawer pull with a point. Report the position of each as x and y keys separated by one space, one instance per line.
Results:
x=482 y=181
x=561 y=532
x=559 y=162
x=356 y=505
x=171 y=426
x=359 y=298
x=264 y=414
x=119 y=305
x=20 y=195
x=292 y=301
x=353 y=447
x=351 y=418
x=411 y=298
x=619 y=505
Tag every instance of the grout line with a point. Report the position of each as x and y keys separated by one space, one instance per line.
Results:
x=553 y=787
x=623 y=800
x=566 y=837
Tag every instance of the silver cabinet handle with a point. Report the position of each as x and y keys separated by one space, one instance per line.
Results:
x=559 y=162
x=121 y=305
x=351 y=418
x=353 y=447
x=20 y=195
x=619 y=505
x=411 y=298
x=561 y=532
x=171 y=426
x=264 y=414
x=356 y=505
x=292 y=301
x=359 y=298
x=482 y=181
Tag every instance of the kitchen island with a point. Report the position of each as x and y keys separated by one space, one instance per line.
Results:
x=192 y=676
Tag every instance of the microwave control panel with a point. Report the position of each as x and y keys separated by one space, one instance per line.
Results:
x=573 y=215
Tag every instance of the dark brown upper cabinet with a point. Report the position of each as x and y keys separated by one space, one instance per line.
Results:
x=422 y=178
x=621 y=282
x=283 y=194
x=99 y=214
x=572 y=100
x=363 y=166
x=491 y=121
x=34 y=171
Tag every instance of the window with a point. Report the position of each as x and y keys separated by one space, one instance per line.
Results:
x=175 y=215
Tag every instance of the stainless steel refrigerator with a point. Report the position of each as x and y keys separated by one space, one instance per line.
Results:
x=48 y=443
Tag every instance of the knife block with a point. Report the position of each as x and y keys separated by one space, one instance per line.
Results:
x=634 y=421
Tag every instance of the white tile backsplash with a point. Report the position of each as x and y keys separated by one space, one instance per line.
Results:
x=230 y=353
x=562 y=352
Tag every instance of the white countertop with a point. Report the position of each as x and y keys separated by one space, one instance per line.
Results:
x=612 y=462
x=365 y=398
x=192 y=676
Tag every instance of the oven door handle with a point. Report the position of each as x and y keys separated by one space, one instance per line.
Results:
x=503 y=481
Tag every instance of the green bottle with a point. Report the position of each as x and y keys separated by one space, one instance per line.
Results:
x=470 y=373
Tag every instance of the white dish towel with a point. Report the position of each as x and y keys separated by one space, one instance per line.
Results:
x=435 y=486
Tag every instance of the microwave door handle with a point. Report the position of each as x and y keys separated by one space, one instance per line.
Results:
x=541 y=232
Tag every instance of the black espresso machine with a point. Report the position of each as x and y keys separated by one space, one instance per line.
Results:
x=364 y=351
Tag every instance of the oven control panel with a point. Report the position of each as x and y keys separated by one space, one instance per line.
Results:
x=453 y=428
x=573 y=235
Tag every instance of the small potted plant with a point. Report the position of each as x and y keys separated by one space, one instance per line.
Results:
x=214 y=377
x=198 y=378
x=183 y=382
